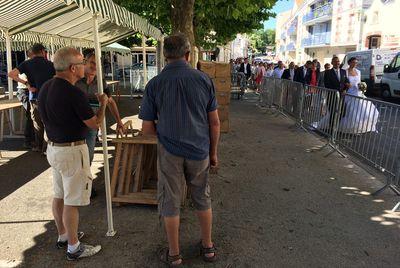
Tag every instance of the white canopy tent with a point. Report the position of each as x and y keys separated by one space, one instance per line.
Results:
x=79 y=23
x=115 y=47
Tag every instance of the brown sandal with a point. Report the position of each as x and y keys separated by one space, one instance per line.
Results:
x=167 y=259
x=204 y=251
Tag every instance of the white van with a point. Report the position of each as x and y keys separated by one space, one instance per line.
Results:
x=371 y=63
x=390 y=83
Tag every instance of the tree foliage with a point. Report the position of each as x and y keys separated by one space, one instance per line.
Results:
x=260 y=39
x=215 y=22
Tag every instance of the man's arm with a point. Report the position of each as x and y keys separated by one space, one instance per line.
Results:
x=213 y=121
x=112 y=106
x=148 y=128
x=96 y=121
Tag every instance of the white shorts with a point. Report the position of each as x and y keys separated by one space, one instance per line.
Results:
x=72 y=179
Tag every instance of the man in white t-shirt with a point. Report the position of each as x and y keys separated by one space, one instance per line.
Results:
x=279 y=70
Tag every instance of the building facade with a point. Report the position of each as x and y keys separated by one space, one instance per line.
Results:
x=319 y=29
x=239 y=47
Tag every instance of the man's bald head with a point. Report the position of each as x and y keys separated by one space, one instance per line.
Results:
x=65 y=57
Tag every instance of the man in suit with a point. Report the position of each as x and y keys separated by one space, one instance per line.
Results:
x=245 y=68
x=289 y=73
x=301 y=73
x=336 y=79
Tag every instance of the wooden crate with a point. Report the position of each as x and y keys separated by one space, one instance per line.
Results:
x=223 y=70
x=134 y=177
x=223 y=98
x=208 y=67
x=225 y=127
x=223 y=112
x=222 y=84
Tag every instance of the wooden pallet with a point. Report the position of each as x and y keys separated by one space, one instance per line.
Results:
x=134 y=177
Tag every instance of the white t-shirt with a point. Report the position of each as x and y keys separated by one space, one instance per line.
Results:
x=278 y=73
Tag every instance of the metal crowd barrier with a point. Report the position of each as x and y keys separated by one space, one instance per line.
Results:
x=367 y=128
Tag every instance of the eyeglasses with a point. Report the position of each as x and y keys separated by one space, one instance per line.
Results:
x=79 y=63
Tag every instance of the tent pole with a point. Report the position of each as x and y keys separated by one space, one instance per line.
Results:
x=123 y=68
x=110 y=231
x=9 y=65
x=112 y=65
x=144 y=60
x=10 y=81
x=52 y=48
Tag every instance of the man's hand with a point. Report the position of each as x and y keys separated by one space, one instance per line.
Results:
x=121 y=128
x=213 y=163
x=102 y=98
x=32 y=89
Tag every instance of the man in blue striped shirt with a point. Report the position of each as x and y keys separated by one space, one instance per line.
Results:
x=179 y=105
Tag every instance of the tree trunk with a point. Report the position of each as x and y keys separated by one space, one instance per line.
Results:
x=182 y=13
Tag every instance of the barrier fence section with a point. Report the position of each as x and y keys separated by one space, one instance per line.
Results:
x=367 y=128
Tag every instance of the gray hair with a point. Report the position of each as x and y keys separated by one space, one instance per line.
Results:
x=64 y=57
x=176 y=46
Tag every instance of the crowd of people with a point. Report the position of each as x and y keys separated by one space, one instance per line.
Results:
x=357 y=115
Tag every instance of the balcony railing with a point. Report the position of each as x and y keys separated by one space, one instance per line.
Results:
x=291 y=47
x=319 y=39
x=283 y=35
x=322 y=11
x=282 y=48
x=292 y=30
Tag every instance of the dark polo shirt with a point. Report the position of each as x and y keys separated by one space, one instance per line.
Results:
x=63 y=108
x=180 y=98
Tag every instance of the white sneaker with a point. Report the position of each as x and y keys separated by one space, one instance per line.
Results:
x=83 y=251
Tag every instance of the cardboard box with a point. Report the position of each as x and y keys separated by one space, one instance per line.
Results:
x=224 y=126
x=222 y=84
x=223 y=98
x=222 y=70
x=208 y=67
x=223 y=112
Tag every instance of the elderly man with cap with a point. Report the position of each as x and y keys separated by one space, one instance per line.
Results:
x=67 y=117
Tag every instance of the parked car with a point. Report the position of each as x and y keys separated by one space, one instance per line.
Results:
x=390 y=83
x=371 y=63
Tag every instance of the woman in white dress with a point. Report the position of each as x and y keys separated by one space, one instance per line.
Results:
x=361 y=114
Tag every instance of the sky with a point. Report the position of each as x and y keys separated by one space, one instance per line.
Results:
x=281 y=5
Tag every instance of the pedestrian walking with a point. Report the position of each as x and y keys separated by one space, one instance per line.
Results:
x=67 y=117
x=38 y=70
x=279 y=70
x=336 y=79
x=182 y=101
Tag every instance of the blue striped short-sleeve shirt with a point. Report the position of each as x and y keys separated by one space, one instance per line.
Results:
x=179 y=99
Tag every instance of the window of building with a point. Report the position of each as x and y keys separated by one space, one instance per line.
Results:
x=374 y=41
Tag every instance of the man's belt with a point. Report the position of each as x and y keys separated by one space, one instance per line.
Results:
x=67 y=144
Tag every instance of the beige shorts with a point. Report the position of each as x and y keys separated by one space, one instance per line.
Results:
x=72 y=179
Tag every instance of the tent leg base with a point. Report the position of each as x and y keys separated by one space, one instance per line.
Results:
x=111 y=233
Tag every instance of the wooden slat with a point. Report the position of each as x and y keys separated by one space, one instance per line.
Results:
x=116 y=168
x=122 y=176
x=128 y=178
x=9 y=104
x=138 y=169
x=137 y=198
x=144 y=139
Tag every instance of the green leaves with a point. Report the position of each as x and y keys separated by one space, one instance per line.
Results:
x=225 y=17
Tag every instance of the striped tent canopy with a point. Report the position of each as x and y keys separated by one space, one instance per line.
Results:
x=68 y=22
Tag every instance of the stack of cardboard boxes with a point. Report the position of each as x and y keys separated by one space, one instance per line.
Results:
x=220 y=74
